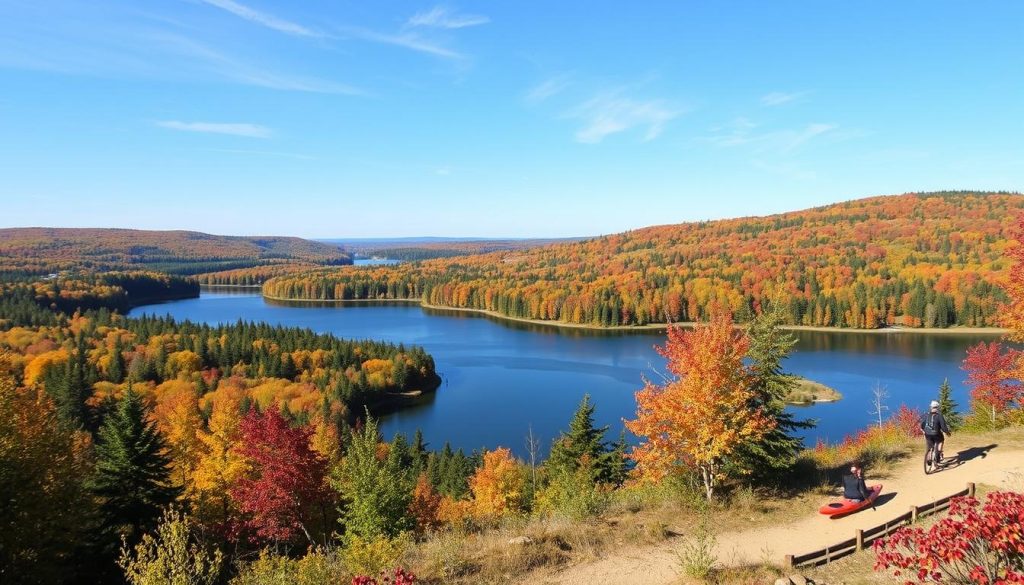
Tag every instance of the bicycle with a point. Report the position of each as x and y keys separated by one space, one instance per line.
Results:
x=932 y=459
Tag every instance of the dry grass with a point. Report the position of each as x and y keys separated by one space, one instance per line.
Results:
x=639 y=517
x=642 y=517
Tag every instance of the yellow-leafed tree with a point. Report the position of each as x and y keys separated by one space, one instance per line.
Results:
x=498 y=486
x=219 y=465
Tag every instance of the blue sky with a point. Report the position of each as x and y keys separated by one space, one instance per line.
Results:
x=511 y=119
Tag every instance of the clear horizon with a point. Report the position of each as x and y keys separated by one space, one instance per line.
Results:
x=329 y=120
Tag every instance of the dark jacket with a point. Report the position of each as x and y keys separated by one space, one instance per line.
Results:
x=937 y=424
x=854 y=487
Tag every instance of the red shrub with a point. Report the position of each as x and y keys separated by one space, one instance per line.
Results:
x=908 y=420
x=984 y=547
x=398 y=577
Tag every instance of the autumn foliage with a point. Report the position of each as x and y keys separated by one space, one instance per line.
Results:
x=25 y=251
x=993 y=375
x=703 y=415
x=915 y=260
x=498 y=486
x=285 y=482
x=397 y=577
x=1013 y=311
x=425 y=505
x=982 y=544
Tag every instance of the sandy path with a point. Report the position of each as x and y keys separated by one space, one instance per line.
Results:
x=908 y=486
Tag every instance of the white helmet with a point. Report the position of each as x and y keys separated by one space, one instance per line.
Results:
x=934 y=404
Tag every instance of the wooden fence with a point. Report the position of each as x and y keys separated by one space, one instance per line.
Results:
x=861 y=538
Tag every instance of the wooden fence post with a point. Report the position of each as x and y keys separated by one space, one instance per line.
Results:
x=970 y=489
x=788 y=562
x=913 y=514
x=860 y=539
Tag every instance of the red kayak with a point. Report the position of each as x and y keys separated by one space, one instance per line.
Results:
x=844 y=506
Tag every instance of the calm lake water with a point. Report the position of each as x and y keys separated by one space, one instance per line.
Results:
x=502 y=378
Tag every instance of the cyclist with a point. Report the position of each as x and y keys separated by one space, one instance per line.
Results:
x=934 y=425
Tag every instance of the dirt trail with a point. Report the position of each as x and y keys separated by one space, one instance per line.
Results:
x=908 y=486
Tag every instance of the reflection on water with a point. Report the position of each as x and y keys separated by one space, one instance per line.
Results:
x=501 y=378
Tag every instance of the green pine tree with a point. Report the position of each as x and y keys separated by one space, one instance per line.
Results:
x=115 y=372
x=769 y=347
x=376 y=492
x=584 y=440
x=948 y=406
x=132 y=479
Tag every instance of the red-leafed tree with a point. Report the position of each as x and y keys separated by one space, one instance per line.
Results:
x=283 y=496
x=991 y=370
x=971 y=545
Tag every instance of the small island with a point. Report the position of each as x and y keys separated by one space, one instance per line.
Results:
x=806 y=392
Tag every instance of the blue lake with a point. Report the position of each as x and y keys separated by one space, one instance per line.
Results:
x=502 y=378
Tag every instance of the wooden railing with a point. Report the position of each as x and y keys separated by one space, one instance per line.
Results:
x=861 y=538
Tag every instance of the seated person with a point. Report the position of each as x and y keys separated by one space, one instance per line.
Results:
x=854 y=488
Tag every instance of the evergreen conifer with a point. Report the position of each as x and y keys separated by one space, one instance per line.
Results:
x=132 y=480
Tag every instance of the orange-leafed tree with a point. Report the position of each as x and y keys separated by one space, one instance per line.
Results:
x=498 y=486
x=424 y=505
x=179 y=420
x=704 y=412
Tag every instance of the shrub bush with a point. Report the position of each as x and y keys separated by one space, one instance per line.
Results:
x=370 y=556
x=971 y=545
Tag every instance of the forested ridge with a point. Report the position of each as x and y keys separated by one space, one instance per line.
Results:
x=26 y=252
x=917 y=260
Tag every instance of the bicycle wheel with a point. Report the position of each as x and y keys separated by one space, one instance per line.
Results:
x=929 y=464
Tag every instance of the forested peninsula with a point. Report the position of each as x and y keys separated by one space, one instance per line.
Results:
x=918 y=260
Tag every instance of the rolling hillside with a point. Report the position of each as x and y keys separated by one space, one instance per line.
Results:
x=35 y=251
x=917 y=260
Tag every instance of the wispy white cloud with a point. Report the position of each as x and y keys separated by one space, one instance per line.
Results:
x=740 y=132
x=546 y=89
x=442 y=17
x=262 y=18
x=778 y=98
x=443 y=171
x=238 y=71
x=406 y=40
x=612 y=113
x=246 y=130
x=794 y=139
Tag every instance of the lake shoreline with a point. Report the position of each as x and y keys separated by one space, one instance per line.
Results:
x=652 y=326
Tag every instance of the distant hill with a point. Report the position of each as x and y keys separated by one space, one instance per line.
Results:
x=426 y=248
x=36 y=251
x=917 y=260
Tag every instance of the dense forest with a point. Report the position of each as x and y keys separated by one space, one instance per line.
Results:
x=104 y=419
x=253 y=276
x=92 y=355
x=28 y=252
x=916 y=260
x=118 y=291
x=426 y=249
